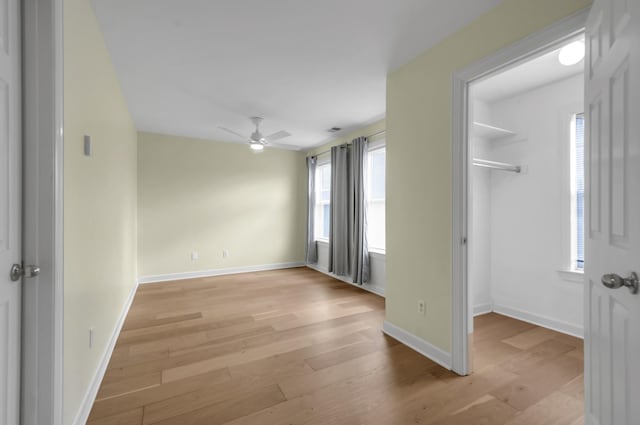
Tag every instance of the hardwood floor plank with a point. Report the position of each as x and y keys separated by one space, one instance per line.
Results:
x=322 y=361
x=130 y=401
x=530 y=338
x=298 y=347
x=555 y=409
x=398 y=356
x=434 y=404
x=128 y=385
x=254 y=400
x=536 y=356
x=132 y=417
x=536 y=384
x=486 y=410
x=145 y=324
x=490 y=353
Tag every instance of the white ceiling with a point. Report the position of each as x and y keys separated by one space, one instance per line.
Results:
x=529 y=75
x=190 y=66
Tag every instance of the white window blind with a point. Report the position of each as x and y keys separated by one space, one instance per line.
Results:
x=323 y=201
x=376 y=198
x=579 y=195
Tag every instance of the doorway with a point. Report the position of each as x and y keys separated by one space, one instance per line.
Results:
x=505 y=162
x=526 y=190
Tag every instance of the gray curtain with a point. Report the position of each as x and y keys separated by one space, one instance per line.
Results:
x=340 y=229
x=312 y=250
x=348 y=251
x=358 y=178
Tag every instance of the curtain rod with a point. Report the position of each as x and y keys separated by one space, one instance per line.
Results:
x=377 y=133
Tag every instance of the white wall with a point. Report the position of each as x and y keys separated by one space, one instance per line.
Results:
x=529 y=212
x=377 y=261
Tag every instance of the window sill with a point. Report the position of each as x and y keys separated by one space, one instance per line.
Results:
x=572 y=275
x=377 y=253
x=372 y=252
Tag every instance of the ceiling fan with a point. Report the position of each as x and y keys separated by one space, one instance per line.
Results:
x=257 y=141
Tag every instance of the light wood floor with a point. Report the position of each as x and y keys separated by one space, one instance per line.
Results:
x=297 y=347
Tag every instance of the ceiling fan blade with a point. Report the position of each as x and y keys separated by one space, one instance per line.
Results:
x=277 y=136
x=285 y=146
x=233 y=132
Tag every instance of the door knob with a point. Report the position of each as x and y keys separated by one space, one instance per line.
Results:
x=18 y=271
x=613 y=281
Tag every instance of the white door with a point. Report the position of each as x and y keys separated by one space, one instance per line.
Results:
x=612 y=222
x=10 y=210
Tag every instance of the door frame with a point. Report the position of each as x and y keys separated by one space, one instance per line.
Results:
x=536 y=44
x=43 y=296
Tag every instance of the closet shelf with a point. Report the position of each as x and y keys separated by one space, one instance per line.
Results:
x=491 y=132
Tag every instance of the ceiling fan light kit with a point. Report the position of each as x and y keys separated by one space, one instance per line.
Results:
x=256 y=146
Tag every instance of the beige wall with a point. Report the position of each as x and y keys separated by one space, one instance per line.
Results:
x=206 y=196
x=419 y=185
x=99 y=201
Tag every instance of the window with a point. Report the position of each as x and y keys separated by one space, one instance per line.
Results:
x=376 y=197
x=323 y=199
x=577 y=192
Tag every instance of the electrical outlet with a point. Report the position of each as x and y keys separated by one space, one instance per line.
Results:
x=194 y=255
x=422 y=308
x=91 y=338
x=225 y=253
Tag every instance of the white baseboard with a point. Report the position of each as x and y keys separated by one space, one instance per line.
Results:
x=423 y=347
x=373 y=289
x=92 y=391
x=545 y=322
x=482 y=309
x=216 y=272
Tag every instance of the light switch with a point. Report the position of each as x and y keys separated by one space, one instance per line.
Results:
x=87 y=145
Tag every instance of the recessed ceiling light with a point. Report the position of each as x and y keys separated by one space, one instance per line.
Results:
x=572 y=53
x=334 y=129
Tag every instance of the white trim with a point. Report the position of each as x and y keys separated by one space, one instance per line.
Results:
x=377 y=253
x=460 y=169
x=572 y=275
x=536 y=319
x=92 y=391
x=482 y=309
x=536 y=44
x=323 y=159
x=216 y=272
x=423 y=347
x=58 y=200
x=366 y=287
x=377 y=144
x=43 y=298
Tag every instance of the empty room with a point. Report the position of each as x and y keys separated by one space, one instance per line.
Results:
x=320 y=212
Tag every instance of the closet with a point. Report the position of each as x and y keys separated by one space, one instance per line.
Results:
x=522 y=220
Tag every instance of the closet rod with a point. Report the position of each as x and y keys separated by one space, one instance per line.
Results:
x=377 y=133
x=496 y=165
